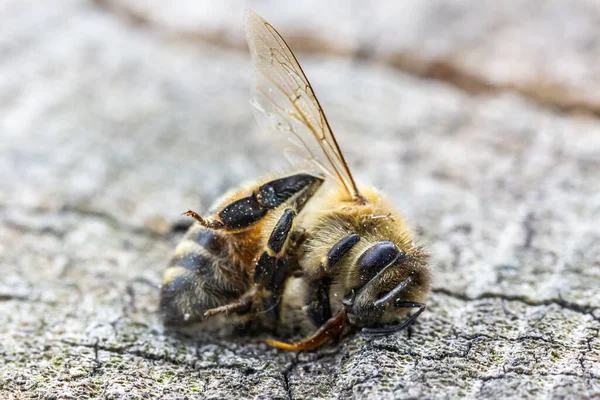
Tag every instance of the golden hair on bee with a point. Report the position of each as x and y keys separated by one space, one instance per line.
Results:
x=309 y=249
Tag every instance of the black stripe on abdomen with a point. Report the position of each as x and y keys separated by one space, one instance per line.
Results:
x=199 y=276
x=209 y=239
x=197 y=263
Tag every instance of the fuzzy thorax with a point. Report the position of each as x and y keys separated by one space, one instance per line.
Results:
x=377 y=223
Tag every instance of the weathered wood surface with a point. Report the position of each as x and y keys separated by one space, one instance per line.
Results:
x=116 y=117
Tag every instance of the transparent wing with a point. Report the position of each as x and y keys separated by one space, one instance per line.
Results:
x=282 y=92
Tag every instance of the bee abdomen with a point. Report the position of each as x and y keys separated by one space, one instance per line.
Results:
x=200 y=276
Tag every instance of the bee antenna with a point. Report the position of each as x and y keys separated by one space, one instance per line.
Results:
x=395 y=328
x=392 y=294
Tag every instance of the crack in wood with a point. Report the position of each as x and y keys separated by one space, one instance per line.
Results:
x=575 y=307
x=175 y=229
x=138 y=353
x=285 y=375
x=550 y=95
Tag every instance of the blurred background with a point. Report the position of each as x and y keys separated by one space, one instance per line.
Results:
x=139 y=110
x=479 y=119
x=122 y=97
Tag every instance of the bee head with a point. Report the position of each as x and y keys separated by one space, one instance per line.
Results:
x=387 y=278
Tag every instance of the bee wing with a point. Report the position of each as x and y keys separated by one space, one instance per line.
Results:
x=283 y=93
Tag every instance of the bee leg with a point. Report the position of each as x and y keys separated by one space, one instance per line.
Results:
x=332 y=328
x=240 y=304
x=335 y=254
x=295 y=189
x=317 y=299
x=318 y=309
x=246 y=211
x=205 y=222
x=274 y=289
x=394 y=328
x=272 y=269
x=265 y=273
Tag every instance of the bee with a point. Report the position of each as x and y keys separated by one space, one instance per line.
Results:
x=308 y=250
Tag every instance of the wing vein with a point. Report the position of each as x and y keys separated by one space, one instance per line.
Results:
x=286 y=97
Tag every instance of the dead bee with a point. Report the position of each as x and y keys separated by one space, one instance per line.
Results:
x=290 y=249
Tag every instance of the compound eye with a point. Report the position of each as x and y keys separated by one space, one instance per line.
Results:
x=375 y=259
